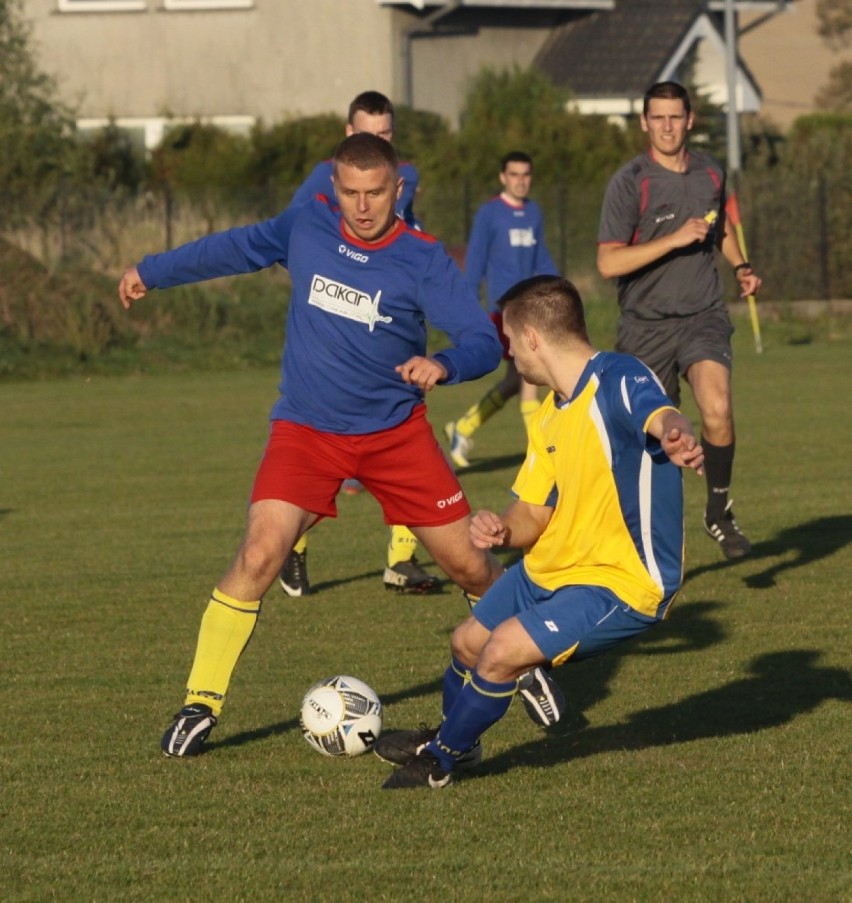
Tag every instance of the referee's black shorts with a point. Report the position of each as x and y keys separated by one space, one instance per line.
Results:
x=669 y=347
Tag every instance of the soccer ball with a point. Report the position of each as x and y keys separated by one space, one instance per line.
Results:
x=341 y=716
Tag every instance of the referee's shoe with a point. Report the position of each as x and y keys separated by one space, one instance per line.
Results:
x=727 y=533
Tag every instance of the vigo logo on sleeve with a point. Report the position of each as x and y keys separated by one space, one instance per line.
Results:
x=344 y=301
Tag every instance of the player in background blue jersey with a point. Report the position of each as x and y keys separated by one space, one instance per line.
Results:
x=598 y=511
x=506 y=245
x=351 y=399
x=370 y=112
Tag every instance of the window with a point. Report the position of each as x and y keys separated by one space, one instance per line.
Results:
x=101 y=6
x=207 y=4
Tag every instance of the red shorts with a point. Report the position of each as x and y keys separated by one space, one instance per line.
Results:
x=403 y=467
x=497 y=320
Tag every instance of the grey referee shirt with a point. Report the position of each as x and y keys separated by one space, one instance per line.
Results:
x=644 y=201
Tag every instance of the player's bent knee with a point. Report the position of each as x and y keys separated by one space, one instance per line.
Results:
x=468 y=640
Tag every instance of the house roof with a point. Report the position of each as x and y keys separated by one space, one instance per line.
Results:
x=619 y=52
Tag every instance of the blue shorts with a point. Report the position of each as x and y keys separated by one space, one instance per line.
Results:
x=573 y=622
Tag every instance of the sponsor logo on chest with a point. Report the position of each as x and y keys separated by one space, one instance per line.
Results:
x=341 y=300
x=522 y=238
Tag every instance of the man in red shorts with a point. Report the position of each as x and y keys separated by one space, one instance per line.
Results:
x=354 y=374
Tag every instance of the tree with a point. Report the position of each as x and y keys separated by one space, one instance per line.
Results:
x=834 y=18
x=35 y=128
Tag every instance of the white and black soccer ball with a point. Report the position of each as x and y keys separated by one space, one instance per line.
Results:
x=341 y=716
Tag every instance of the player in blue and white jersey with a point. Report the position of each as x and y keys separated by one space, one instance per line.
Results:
x=351 y=404
x=598 y=511
x=506 y=245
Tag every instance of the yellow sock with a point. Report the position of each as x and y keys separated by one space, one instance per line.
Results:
x=226 y=628
x=528 y=408
x=402 y=545
x=483 y=410
x=301 y=544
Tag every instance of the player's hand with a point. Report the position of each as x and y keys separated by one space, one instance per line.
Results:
x=131 y=288
x=683 y=449
x=423 y=372
x=692 y=231
x=749 y=281
x=487 y=530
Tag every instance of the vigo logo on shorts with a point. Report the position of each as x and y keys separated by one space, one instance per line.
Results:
x=345 y=301
x=452 y=500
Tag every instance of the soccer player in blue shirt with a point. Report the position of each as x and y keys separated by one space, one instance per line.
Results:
x=370 y=112
x=354 y=375
x=506 y=245
x=598 y=511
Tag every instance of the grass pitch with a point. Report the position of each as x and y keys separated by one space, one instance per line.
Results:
x=715 y=764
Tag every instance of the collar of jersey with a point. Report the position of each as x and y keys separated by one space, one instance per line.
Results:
x=390 y=237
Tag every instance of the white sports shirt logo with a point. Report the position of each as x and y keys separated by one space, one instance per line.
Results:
x=344 y=301
x=522 y=238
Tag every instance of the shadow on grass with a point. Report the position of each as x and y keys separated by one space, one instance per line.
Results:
x=781 y=686
x=692 y=629
x=806 y=542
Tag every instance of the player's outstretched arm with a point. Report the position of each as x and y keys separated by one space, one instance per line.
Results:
x=131 y=287
x=677 y=438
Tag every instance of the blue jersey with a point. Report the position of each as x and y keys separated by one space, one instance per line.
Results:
x=617 y=498
x=357 y=310
x=319 y=182
x=506 y=245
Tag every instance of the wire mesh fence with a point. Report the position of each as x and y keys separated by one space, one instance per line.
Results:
x=798 y=228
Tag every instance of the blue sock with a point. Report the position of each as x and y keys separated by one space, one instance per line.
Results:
x=480 y=704
x=454 y=679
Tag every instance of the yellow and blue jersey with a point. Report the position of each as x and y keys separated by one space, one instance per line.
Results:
x=617 y=498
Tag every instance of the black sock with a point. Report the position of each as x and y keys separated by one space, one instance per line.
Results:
x=718 y=467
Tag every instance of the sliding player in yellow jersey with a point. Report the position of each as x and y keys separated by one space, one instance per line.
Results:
x=598 y=511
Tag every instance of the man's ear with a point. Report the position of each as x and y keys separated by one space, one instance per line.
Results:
x=531 y=337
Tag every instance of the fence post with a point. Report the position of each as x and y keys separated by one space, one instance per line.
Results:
x=561 y=220
x=168 y=210
x=822 y=232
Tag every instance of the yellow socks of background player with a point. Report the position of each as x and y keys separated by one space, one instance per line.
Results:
x=528 y=408
x=475 y=416
x=402 y=545
x=301 y=544
x=226 y=628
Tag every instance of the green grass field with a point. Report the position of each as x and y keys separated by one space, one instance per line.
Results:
x=715 y=764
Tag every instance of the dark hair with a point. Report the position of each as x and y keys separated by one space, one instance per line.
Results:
x=515 y=157
x=666 y=91
x=366 y=151
x=370 y=102
x=551 y=304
